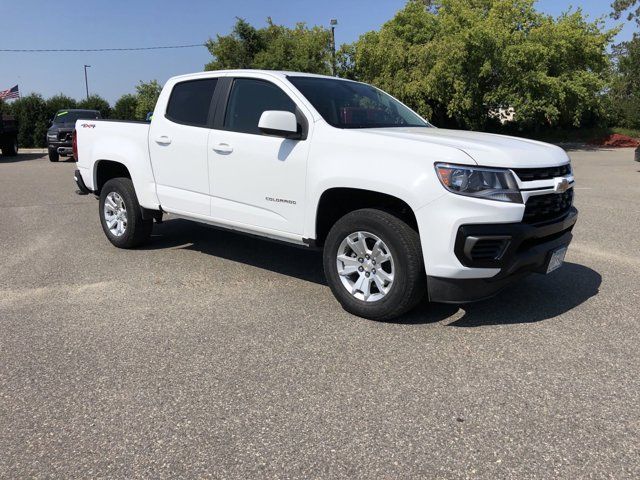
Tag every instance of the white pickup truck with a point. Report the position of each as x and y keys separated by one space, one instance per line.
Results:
x=400 y=208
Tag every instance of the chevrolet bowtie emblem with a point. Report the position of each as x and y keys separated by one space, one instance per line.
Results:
x=560 y=185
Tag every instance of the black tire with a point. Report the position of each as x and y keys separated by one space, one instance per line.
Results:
x=10 y=149
x=138 y=229
x=403 y=242
x=54 y=156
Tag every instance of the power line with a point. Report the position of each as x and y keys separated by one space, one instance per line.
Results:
x=35 y=50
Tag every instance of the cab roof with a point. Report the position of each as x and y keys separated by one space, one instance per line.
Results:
x=282 y=74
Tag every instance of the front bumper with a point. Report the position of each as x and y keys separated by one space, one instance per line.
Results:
x=525 y=249
x=62 y=147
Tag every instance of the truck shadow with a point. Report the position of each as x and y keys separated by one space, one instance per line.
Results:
x=288 y=260
x=22 y=157
x=533 y=299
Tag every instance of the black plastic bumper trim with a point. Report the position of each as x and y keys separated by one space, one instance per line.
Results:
x=529 y=252
x=458 y=291
x=523 y=237
x=82 y=188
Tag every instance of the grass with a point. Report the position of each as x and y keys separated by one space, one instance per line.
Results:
x=630 y=132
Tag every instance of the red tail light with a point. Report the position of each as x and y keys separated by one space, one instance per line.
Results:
x=74 y=139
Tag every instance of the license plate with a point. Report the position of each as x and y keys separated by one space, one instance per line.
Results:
x=557 y=259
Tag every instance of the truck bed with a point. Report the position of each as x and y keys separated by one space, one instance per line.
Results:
x=96 y=140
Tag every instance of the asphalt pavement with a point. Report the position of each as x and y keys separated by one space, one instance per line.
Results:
x=211 y=354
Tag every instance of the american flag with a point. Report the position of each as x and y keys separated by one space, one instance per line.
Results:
x=10 y=93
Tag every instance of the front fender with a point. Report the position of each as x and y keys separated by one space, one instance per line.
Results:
x=351 y=160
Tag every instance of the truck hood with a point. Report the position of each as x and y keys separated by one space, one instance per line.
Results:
x=485 y=149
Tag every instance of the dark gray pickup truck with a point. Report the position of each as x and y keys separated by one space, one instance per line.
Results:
x=60 y=133
x=8 y=135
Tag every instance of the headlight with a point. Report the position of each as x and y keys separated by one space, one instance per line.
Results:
x=488 y=183
x=51 y=136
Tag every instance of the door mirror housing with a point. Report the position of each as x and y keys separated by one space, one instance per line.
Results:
x=280 y=124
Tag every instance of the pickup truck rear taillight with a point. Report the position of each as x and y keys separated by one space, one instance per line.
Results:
x=74 y=140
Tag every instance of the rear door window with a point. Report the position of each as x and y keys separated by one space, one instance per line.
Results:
x=190 y=102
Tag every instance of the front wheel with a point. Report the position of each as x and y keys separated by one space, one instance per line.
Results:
x=373 y=264
x=121 y=215
x=54 y=156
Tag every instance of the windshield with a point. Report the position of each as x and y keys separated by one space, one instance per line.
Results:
x=70 y=116
x=345 y=104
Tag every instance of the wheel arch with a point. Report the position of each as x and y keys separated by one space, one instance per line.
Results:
x=335 y=202
x=104 y=170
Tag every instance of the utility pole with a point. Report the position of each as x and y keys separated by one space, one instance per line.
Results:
x=333 y=23
x=86 y=82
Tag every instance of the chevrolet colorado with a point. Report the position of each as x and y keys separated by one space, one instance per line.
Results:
x=8 y=135
x=399 y=207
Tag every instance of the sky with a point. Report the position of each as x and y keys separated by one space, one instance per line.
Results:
x=142 y=23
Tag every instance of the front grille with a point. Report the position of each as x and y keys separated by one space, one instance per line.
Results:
x=64 y=136
x=544 y=208
x=489 y=249
x=532 y=174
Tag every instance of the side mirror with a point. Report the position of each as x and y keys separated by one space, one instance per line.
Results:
x=279 y=123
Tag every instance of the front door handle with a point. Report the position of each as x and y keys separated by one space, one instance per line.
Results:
x=163 y=140
x=223 y=148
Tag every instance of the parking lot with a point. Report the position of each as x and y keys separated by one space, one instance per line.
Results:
x=213 y=354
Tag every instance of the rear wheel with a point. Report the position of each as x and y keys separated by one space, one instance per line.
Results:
x=54 y=156
x=121 y=215
x=373 y=264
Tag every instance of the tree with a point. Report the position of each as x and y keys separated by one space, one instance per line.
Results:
x=236 y=50
x=59 y=102
x=125 y=107
x=274 y=47
x=625 y=89
x=620 y=6
x=558 y=75
x=96 y=102
x=31 y=113
x=459 y=62
x=147 y=96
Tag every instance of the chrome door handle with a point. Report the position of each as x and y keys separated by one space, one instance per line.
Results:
x=163 y=140
x=224 y=148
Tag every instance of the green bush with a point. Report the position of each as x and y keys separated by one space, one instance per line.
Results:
x=96 y=102
x=125 y=108
x=59 y=102
x=33 y=120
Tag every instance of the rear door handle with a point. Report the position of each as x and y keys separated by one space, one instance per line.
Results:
x=224 y=148
x=163 y=140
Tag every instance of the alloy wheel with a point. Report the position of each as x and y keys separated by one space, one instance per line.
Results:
x=115 y=214
x=366 y=266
